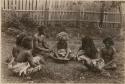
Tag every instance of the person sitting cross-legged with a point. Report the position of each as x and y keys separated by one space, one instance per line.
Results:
x=23 y=62
x=40 y=45
x=61 y=49
x=89 y=55
x=108 y=53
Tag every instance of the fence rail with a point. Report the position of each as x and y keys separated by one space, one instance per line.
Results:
x=67 y=11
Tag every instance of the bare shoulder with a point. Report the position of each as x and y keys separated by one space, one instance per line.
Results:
x=16 y=48
x=100 y=49
x=35 y=35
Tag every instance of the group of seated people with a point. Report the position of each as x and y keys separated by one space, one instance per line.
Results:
x=30 y=53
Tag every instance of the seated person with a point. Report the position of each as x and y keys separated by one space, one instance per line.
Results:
x=108 y=53
x=23 y=63
x=89 y=56
x=40 y=46
x=61 y=49
x=16 y=47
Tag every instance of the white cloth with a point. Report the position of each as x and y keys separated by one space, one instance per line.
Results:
x=24 y=68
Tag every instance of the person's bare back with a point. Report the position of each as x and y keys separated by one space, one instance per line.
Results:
x=22 y=56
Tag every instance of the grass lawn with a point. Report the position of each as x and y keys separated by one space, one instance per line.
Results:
x=70 y=72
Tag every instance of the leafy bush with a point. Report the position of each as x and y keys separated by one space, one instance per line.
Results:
x=18 y=21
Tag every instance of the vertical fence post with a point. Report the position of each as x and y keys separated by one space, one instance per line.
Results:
x=46 y=13
x=4 y=4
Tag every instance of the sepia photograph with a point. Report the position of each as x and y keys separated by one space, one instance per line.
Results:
x=62 y=41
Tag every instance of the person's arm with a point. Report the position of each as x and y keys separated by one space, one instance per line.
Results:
x=30 y=58
x=45 y=44
x=37 y=46
x=77 y=54
x=55 y=50
x=67 y=52
x=99 y=53
x=115 y=53
x=113 y=57
x=56 y=53
x=14 y=52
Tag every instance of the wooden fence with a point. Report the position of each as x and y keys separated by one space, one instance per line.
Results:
x=48 y=11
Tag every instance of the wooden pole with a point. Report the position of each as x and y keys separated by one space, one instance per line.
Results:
x=46 y=13
x=102 y=14
x=122 y=17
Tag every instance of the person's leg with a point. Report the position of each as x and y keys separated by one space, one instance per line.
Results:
x=82 y=57
x=44 y=55
x=53 y=55
x=87 y=60
x=105 y=73
x=38 y=60
x=111 y=66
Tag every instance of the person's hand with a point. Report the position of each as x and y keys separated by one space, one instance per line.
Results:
x=46 y=50
x=50 y=50
x=39 y=67
x=65 y=57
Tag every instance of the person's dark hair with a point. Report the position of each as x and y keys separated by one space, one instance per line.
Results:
x=41 y=29
x=89 y=46
x=26 y=42
x=19 y=38
x=108 y=40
